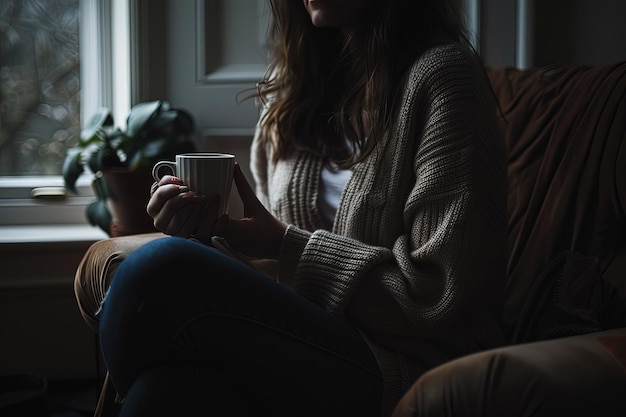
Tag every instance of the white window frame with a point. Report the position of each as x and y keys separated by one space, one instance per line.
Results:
x=524 y=36
x=105 y=82
x=472 y=13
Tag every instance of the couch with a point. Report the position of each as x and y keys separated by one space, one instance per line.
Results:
x=565 y=130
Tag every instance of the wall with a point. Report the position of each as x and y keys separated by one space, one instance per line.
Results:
x=41 y=329
x=580 y=32
x=497 y=34
x=526 y=33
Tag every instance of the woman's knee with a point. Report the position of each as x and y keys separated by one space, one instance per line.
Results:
x=157 y=269
x=158 y=287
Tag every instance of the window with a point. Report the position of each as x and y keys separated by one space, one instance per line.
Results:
x=56 y=68
x=39 y=85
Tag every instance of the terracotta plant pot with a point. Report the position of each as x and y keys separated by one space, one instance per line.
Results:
x=129 y=194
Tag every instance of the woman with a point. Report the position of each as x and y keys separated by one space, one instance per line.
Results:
x=374 y=245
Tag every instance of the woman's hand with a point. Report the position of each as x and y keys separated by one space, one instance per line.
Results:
x=177 y=211
x=258 y=234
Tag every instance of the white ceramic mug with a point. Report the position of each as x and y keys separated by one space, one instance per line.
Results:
x=207 y=173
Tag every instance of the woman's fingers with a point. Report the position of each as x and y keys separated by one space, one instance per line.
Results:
x=249 y=199
x=184 y=223
x=175 y=213
x=258 y=234
x=209 y=216
x=174 y=209
x=168 y=187
x=161 y=196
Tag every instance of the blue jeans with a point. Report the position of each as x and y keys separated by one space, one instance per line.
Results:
x=188 y=331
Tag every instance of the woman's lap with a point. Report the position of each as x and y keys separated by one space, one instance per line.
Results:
x=176 y=307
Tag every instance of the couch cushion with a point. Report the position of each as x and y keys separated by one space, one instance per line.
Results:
x=530 y=379
x=564 y=129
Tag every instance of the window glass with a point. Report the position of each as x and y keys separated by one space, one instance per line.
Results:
x=39 y=85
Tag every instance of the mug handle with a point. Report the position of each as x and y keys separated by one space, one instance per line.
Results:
x=161 y=164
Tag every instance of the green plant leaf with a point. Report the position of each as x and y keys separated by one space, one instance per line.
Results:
x=98 y=136
x=141 y=114
x=98 y=121
x=146 y=156
x=102 y=157
x=100 y=187
x=72 y=168
x=163 y=119
x=98 y=215
x=184 y=122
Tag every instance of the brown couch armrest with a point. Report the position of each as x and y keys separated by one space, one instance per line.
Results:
x=96 y=269
x=573 y=376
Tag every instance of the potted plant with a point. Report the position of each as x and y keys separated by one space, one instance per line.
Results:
x=121 y=162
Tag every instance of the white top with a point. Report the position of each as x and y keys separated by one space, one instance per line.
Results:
x=332 y=183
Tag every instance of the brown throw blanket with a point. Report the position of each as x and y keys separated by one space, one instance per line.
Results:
x=564 y=129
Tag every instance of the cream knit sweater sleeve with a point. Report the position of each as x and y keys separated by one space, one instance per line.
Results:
x=419 y=234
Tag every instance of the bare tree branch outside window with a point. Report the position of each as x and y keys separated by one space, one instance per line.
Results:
x=39 y=85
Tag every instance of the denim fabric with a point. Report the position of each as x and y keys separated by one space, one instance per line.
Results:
x=186 y=330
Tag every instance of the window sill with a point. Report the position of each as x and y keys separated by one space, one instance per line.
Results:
x=45 y=234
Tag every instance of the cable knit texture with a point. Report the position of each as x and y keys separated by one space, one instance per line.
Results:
x=416 y=255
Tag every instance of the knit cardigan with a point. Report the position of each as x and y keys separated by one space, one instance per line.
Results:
x=415 y=259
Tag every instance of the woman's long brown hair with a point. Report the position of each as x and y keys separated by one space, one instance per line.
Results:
x=330 y=93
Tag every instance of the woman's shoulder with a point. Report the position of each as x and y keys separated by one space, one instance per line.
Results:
x=444 y=56
x=441 y=64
